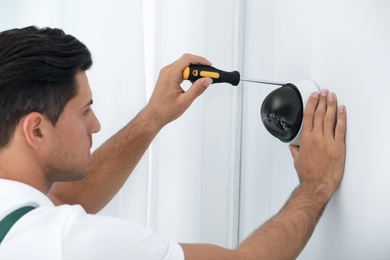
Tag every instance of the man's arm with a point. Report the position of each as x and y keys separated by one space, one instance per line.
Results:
x=112 y=163
x=319 y=162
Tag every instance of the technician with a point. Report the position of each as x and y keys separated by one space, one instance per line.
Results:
x=51 y=187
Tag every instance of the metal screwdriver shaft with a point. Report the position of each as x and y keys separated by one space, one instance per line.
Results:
x=263 y=81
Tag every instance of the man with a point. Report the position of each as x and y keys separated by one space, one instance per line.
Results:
x=46 y=124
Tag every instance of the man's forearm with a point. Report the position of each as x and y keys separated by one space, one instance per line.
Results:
x=109 y=166
x=286 y=234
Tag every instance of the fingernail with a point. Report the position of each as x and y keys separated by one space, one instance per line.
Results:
x=315 y=94
x=324 y=92
x=207 y=82
x=341 y=109
x=331 y=97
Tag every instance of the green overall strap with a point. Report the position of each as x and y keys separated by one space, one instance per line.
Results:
x=7 y=222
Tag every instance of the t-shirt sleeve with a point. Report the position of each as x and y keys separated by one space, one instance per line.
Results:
x=86 y=236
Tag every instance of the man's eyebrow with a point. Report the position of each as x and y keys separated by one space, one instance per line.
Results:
x=89 y=103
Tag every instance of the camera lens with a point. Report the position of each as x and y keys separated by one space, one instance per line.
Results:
x=282 y=112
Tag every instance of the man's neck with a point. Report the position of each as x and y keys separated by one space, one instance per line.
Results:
x=19 y=167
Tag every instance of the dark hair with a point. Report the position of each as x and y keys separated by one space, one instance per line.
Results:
x=37 y=74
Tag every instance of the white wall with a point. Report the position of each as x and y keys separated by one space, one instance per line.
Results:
x=343 y=46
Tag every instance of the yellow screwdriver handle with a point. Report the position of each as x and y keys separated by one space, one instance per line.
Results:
x=194 y=72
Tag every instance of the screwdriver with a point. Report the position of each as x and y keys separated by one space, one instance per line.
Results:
x=194 y=72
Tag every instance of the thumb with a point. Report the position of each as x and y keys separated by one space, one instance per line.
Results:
x=197 y=88
x=294 y=150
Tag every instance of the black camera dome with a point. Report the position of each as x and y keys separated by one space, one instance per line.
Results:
x=282 y=112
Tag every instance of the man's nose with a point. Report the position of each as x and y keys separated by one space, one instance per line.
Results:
x=95 y=128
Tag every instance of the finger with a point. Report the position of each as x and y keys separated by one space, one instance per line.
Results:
x=330 y=116
x=321 y=111
x=294 y=150
x=188 y=59
x=341 y=126
x=196 y=90
x=308 y=116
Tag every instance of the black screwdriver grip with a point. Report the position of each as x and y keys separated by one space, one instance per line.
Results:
x=194 y=72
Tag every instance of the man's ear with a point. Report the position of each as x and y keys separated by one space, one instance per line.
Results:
x=34 y=129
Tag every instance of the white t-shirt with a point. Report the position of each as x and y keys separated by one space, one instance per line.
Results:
x=68 y=232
